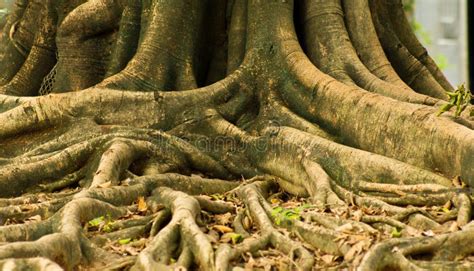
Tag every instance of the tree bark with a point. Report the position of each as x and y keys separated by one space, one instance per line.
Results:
x=130 y=129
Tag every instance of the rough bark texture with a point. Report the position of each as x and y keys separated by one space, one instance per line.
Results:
x=153 y=134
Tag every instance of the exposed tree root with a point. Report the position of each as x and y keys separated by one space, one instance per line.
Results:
x=228 y=146
x=179 y=241
x=41 y=264
x=393 y=253
x=183 y=226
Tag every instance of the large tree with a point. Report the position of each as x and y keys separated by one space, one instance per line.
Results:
x=159 y=129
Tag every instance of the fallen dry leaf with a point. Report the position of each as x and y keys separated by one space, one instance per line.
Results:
x=428 y=233
x=328 y=259
x=222 y=228
x=105 y=185
x=35 y=218
x=131 y=250
x=356 y=249
x=345 y=228
x=275 y=201
x=290 y=204
x=224 y=219
x=142 y=206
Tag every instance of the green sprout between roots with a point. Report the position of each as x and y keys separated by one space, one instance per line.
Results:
x=281 y=214
x=460 y=98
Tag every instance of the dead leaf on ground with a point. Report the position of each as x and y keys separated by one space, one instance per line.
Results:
x=428 y=233
x=345 y=228
x=290 y=204
x=275 y=201
x=35 y=218
x=328 y=259
x=224 y=219
x=142 y=206
x=356 y=249
x=222 y=228
x=106 y=185
x=131 y=250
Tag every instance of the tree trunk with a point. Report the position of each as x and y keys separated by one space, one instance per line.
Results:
x=162 y=134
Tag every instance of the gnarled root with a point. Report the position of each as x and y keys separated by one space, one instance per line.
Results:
x=182 y=230
x=441 y=250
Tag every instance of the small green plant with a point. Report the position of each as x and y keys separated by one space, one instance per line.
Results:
x=124 y=241
x=236 y=238
x=217 y=197
x=102 y=223
x=281 y=214
x=460 y=98
x=396 y=233
x=96 y=221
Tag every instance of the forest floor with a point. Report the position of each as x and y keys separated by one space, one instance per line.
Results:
x=126 y=244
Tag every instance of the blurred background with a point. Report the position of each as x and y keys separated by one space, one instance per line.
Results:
x=443 y=26
x=4 y=5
